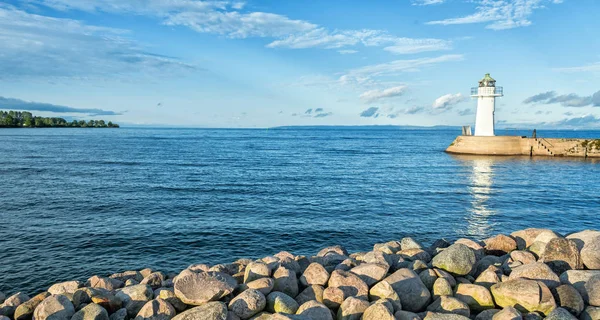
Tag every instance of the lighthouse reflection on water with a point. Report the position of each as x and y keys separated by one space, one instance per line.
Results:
x=480 y=189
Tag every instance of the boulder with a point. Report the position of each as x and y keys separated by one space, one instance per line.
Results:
x=457 y=259
x=547 y=235
x=592 y=289
x=91 y=312
x=508 y=313
x=333 y=297
x=415 y=254
x=279 y=302
x=285 y=281
x=488 y=278
x=581 y=238
x=446 y=304
x=120 y=314
x=315 y=310
x=314 y=274
x=590 y=254
x=290 y=264
x=525 y=238
x=25 y=310
x=377 y=257
x=487 y=314
x=560 y=314
x=57 y=307
x=106 y=299
x=409 y=243
x=568 y=298
x=525 y=295
x=256 y=270
x=477 y=297
x=157 y=309
x=109 y=284
x=441 y=287
x=313 y=292
x=208 y=311
x=578 y=279
x=154 y=280
x=10 y=304
x=536 y=271
x=378 y=311
x=525 y=257
x=411 y=290
x=561 y=255
x=169 y=296
x=68 y=287
x=128 y=275
x=428 y=278
x=333 y=249
x=384 y=291
x=264 y=285
x=135 y=297
x=500 y=245
x=198 y=288
x=443 y=316
x=248 y=303
x=590 y=313
x=474 y=245
x=406 y=315
x=443 y=274
x=351 y=284
x=352 y=309
x=371 y=273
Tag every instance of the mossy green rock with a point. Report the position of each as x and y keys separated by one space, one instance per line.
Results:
x=279 y=302
x=524 y=295
x=457 y=259
x=477 y=297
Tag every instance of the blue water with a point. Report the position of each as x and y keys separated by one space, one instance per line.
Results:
x=79 y=202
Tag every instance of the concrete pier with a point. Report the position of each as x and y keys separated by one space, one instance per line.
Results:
x=525 y=146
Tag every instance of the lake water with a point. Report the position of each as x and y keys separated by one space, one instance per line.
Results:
x=79 y=202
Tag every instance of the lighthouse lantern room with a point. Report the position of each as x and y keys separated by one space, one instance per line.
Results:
x=486 y=95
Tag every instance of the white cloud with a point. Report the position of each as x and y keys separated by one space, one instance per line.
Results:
x=447 y=101
x=426 y=2
x=347 y=51
x=407 y=45
x=38 y=46
x=376 y=95
x=594 y=67
x=396 y=67
x=500 y=14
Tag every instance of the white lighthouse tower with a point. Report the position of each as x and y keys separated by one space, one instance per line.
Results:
x=486 y=95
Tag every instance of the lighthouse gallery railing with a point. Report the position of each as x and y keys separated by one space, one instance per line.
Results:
x=487 y=90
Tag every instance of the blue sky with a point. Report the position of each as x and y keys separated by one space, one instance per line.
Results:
x=259 y=63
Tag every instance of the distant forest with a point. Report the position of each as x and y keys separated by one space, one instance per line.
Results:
x=18 y=119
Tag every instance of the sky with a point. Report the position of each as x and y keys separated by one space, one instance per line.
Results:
x=266 y=63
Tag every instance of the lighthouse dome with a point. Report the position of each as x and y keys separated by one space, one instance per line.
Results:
x=487 y=81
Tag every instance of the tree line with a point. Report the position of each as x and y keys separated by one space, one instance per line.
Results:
x=18 y=119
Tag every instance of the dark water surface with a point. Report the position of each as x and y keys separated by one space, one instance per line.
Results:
x=78 y=202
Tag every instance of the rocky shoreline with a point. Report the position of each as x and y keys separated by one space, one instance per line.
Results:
x=529 y=274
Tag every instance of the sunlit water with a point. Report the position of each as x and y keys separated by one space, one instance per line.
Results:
x=79 y=202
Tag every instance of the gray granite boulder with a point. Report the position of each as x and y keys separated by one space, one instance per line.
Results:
x=198 y=288
x=215 y=310
x=57 y=307
x=457 y=259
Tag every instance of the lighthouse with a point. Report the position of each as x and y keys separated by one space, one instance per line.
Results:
x=486 y=95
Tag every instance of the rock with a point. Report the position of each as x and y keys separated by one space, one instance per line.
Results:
x=487 y=314
x=248 y=303
x=315 y=310
x=333 y=249
x=536 y=271
x=157 y=309
x=352 y=309
x=408 y=243
x=303 y=262
x=281 y=316
x=2 y=297
x=131 y=282
x=415 y=254
x=406 y=315
x=313 y=292
x=135 y=297
x=567 y=297
x=264 y=285
x=457 y=259
x=478 y=298
x=198 y=288
x=592 y=289
x=428 y=278
x=128 y=275
x=525 y=295
x=10 y=304
x=443 y=274
x=488 y=278
x=208 y=311
x=54 y=308
x=349 y=283
x=537 y=248
x=286 y=282
x=279 y=302
x=120 y=314
x=525 y=257
x=371 y=273
x=25 y=310
x=560 y=314
x=508 y=313
x=384 y=290
x=109 y=284
x=445 y=304
x=346 y=265
x=474 y=245
x=256 y=270
x=91 y=312
x=169 y=296
x=154 y=280
x=333 y=297
x=377 y=257
x=578 y=279
x=105 y=299
x=590 y=254
x=525 y=238
x=443 y=316
x=561 y=255
x=581 y=238
x=441 y=287
x=500 y=245
x=590 y=313
x=411 y=290
x=314 y=274
x=532 y=316
x=546 y=235
x=68 y=287
x=291 y=264
x=418 y=266
x=378 y=311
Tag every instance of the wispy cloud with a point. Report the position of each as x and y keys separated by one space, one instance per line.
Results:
x=426 y=2
x=594 y=67
x=348 y=51
x=587 y=121
x=566 y=100
x=370 y=112
x=500 y=14
x=32 y=45
x=376 y=95
x=466 y=112
x=314 y=113
x=17 y=104
x=447 y=101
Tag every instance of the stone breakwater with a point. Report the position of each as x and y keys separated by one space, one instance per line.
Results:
x=529 y=274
